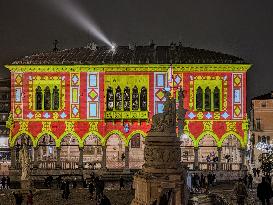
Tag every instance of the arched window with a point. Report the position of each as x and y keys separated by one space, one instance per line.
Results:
x=110 y=99
x=126 y=99
x=135 y=99
x=143 y=99
x=56 y=98
x=199 y=98
x=47 y=99
x=207 y=99
x=216 y=99
x=39 y=98
x=118 y=99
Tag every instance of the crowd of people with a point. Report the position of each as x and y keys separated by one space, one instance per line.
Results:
x=5 y=182
x=198 y=182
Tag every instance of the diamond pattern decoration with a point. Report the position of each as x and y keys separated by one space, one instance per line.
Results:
x=75 y=79
x=75 y=110
x=208 y=115
x=225 y=115
x=237 y=110
x=93 y=94
x=18 y=79
x=177 y=79
x=46 y=115
x=191 y=115
x=159 y=94
x=30 y=115
x=237 y=80
x=18 y=110
x=63 y=115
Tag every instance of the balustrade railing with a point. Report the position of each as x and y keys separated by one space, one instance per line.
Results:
x=69 y=165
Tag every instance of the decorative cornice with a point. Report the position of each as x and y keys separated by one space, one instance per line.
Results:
x=130 y=68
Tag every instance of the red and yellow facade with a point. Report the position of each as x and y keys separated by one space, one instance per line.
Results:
x=83 y=88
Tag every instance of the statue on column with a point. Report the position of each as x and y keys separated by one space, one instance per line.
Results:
x=24 y=161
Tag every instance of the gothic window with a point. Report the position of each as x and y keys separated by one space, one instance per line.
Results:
x=126 y=99
x=56 y=98
x=135 y=99
x=110 y=99
x=216 y=99
x=143 y=99
x=39 y=98
x=199 y=98
x=118 y=99
x=207 y=99
x=47 y=99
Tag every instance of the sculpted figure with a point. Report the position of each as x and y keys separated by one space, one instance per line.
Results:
x=25 y=162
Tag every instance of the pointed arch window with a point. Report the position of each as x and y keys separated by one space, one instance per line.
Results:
x=47 y=98
x=118 y=99
x=126 y=99
x=56 y=98
x=110 y=99
x=135 y=99
x=199 y=98
x=143 y=99
x=207 y=99
x=39 y=98
x=216 y=99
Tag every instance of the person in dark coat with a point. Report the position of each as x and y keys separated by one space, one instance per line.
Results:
x=104 y=200
x=250 y=181
x=121 y=183
x=30 y=198
x=258 y=172
x=18 y=198
x=264 y=192
x=91 y=189
x=241 y=192
x=66 y=190
x=3 y=182
x=8 y=182
x=254 y=171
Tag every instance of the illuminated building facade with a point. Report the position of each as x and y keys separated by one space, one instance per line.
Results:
x=261 y=125
x=91 y=107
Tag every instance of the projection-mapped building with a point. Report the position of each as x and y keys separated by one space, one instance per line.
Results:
x=91 y=107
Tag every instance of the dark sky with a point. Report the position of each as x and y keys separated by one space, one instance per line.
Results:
x=243 y=28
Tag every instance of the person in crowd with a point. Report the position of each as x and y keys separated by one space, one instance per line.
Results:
x=104 y=200
x=241 y=192
x=254 y=171
x=67 y=190
x=121 y=183
x=258 y=172
x=264 y=192
x=3 y=182
x=74 y=183
x=8 y=182
x=250 y=181
x=91 y=189
x=59 y=180
x=245 y=180
x=30 y=198
x=18 y=198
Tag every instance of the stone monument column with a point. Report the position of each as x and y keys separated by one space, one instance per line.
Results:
x=162 y=172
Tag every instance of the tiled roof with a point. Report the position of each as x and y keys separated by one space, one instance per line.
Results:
x=130 y=55
x=264 y=97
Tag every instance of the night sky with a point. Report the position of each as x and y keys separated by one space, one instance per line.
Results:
x=242 y=28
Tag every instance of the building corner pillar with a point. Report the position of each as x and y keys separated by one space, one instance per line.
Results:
x=81 y=158
x=104 y=157
x=219 y=162
x=58 y=162
x=196 y=164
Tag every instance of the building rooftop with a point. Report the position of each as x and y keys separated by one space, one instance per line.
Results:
x=151 y=54
x=264 y=97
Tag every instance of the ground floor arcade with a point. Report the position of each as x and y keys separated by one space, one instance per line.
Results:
x=115 y=153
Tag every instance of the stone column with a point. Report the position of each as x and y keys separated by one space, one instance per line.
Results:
x=81 y=157
x=35 y=162
x=242 y=153
x=58 y=162
x=196 y=164
x=127 y=157
x=103 y=157
x=13 y=157
x=219 y=163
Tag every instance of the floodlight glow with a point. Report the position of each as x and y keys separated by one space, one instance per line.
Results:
x=80 y=18
x=113 y=47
